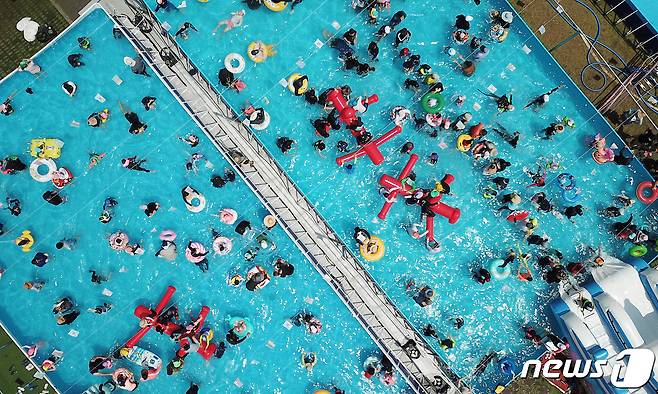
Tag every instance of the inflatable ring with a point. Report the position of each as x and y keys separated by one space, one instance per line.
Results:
x=295 y=78
x=193 y=195
x=571 y=195
x=28 y=238
x=566 y=181
x=503 y=36
x=168 y=235
x=228 y=216
x=464 y=142
x=641 y=194
x=432 y=103
x=261 y=126
x=229 y=63
x=37 y=176
x=222 y=246
x=276 y=7
x=638 y=251
x=497 y=272
x=373 y=256
x=61 y=177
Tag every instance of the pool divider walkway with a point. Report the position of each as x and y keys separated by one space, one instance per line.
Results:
x=417 y=362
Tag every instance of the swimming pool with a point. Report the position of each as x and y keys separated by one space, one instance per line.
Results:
x=497 y=312
x=143 y=279
x=493 y=313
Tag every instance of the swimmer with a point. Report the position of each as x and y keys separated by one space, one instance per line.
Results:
x=148 y=102
x=108 y=210
x=457 y=321
x=282 y=268
x=136 y=126
x=373 y=50
x=611 y=212
x=350 y=36
x=98 y=279
x=63 y=305
x=407 y=148
x=512 y=139
x=137 y=65
x=463 y=22
x=150 y=209
x=342 y=146
x=340 y=44
x=310 y=96
x=13 y=206
x=135 y=164
x=67 y=243
x=361 y=236
x=322 y=127
x=53 y=197
x=410 y=64
x=12 y=165
x=497 y=165
x=540 y=241
x=319 y=147
x=433 y=159
x=34 y=285
x=100 y=309
x=309 y=360
x=402 y=36
x=538 y=178
x=313 y=324
x=541 y=203
x=511 y=256
x=415 y=230
x=190 y=139
x=190 y=164
x=503 y=102
x=412 y=85
x=543 y=99
x=236 y=20
x=84 y=43
x=572 y=211
x=182 y=32
x=482 y=53
x=74 y=60
x=383 y=31
x=70 y=88
x=95 y=158
x=285 y=144
x=482 y=276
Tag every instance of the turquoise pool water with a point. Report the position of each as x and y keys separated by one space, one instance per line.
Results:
x=493 y=313
x=341 y=347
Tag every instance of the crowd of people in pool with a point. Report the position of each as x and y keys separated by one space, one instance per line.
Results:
x=425 y=83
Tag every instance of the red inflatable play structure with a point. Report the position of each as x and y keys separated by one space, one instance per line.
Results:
x=348 y=115
x=152 y=318
x=395 y=187
x=371 y=149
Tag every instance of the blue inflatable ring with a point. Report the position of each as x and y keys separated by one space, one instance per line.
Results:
x=566 y=181
x=571 y=195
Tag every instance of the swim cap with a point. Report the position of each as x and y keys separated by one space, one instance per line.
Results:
x=507 y=16
x=546 y=98
x=124 y=352
x=452 y=52
x=468 y=18
x=128 y=61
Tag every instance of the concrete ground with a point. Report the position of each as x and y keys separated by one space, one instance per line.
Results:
x=571 y=52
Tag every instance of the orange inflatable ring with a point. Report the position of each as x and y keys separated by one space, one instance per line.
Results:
x=641 y=192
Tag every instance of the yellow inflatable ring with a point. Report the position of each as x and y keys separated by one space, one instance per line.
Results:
x=25 y=236
x=464 y=142
x=258 y=51
x=373 y=256
x=276 y=7
x=297 y=91
x=322 y=391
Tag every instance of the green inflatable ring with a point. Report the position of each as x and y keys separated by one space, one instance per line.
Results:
x=425 y=103
x=638 y=251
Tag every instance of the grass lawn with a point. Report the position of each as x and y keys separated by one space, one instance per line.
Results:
x=12 y=44
x=13 y=373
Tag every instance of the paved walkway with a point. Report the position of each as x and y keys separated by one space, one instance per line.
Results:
x=401 y=343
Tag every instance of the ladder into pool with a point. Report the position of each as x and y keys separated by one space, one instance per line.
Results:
x=409 y=352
